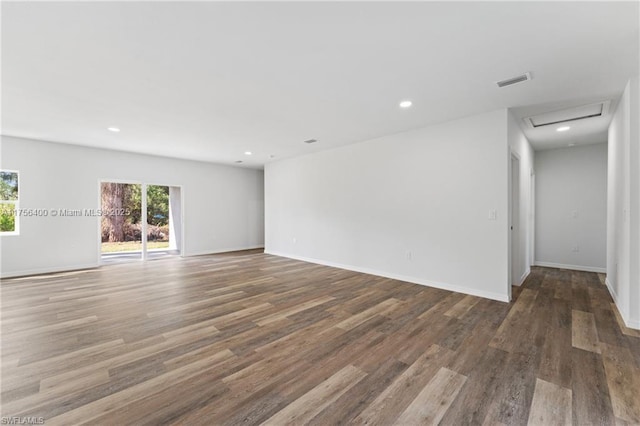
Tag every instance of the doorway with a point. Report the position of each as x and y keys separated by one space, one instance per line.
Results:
x=164 y=213
x=139 y=221
x=120 y=221
x=514 y=221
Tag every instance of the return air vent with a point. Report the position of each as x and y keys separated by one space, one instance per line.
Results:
x=570 y=114
x=513 y=80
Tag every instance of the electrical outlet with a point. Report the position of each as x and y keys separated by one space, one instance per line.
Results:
x=295 y=240
x=574 y=214
x=493 y=215
x=575 y=249
x=409 y=255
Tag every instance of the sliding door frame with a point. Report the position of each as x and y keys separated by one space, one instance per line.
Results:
x=143 y=215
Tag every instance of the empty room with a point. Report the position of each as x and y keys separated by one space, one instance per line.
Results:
x=327 y=213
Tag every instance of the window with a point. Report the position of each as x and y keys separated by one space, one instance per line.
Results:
x=9 y=199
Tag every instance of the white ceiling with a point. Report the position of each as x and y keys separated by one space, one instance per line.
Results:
x=582 y=132
x=209 y=81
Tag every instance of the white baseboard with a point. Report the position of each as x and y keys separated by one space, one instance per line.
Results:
x=524 y=277
x=621 y=308
x=571 y=267
x=631 y=324
x=225 y=250
x=40 y=271
x=444 y=286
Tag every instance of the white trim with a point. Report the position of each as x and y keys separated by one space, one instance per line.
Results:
x=571 y=267
x=225 y=250
x=144 y=226
x=623 y=313
x=631 y=324
x=183 y=237
x=70 y=268
x=40 y=271
x=99 y=219
x=16 y=207
x=143 y=214
x=524 y=276
x=513 y=154
x=444 y=286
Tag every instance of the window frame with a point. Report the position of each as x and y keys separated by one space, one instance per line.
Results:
x=16 y=206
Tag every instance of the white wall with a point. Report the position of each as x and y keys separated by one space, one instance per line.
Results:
x=520 y=146
x=223 y=206
x=571 y=207
x=634 y=189
x=623 y=215
x=413 y=206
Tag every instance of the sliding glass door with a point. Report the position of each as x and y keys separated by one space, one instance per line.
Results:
x=139 y=221
x=163 y=219
x=120 y=221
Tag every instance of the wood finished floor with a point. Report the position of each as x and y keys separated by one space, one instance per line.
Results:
x=249 y=338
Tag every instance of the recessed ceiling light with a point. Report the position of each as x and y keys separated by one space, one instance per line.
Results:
x=311 y=141
x=563 y=129
x=113 y=129
x=247 y=153
x=238 y=161
x=405 y=104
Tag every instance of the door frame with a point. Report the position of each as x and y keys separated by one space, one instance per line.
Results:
x=532 y=218
x=146 y=184
x=143 y=214
x=513 y=155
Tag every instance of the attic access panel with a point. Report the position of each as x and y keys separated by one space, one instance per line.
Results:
x=569 y=114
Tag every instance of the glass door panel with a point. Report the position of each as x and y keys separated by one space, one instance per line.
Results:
x=162 y=215
x=121 y=221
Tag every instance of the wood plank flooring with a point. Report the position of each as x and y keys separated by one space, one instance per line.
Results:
x=249 y=338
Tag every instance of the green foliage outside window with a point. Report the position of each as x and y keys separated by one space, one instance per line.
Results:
x=8 y=199
x=8 y=186
x=157 y=204
x=7 y=217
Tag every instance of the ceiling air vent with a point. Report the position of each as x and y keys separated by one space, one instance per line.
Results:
x=513 y=80
x=570 y=114
x=311 y=141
